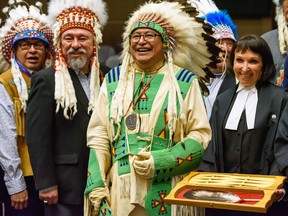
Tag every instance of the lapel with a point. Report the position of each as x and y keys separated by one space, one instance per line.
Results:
x=220 y=110
x=268 y=104
x=79 y=91
x=228 y=82
x=269 y=108
x=224 y=101
x=262 y=105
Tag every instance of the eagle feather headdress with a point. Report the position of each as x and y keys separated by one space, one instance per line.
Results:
x=66 y=14
x=190 y=41
x=188 y=44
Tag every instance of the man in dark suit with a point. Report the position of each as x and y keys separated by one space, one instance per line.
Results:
x=225 y=33
x=223 y=80
x=60 y=104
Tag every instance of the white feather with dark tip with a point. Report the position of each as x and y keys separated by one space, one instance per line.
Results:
x=204 y=6
x=277 y=2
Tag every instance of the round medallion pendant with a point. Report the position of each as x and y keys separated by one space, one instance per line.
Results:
x=131 y=121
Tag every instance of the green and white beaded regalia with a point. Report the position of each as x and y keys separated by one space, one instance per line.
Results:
x=158 y=114
x=152 y=134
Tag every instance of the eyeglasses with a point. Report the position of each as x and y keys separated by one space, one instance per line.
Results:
x=25 y=45
x=149 y=37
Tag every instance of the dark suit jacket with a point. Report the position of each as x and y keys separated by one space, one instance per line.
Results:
x=228 y=82
x=57 y=146
x=271 y=101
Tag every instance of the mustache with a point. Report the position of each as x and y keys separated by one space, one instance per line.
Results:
x=73 y=50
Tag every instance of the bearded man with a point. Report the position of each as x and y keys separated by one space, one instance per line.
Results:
x=57 y=140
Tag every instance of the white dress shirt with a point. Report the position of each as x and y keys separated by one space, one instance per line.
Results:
x=9 y=159
x=213 y=92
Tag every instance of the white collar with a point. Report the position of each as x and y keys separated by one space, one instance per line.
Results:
x=246 y=98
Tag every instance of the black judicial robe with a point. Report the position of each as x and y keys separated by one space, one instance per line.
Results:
x=271 y=102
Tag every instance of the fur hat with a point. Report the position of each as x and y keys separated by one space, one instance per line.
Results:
x=23 y=21
x=66 y=14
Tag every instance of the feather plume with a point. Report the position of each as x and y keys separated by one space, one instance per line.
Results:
x=55 y=8
x=204 y=6
x=39 y=4
x=278 y=3
x=219 y=19
x=5 y=10
x=212 y=196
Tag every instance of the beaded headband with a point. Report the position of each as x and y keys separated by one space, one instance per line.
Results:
x=30 y=34
x=152 y=25
x=24 y=22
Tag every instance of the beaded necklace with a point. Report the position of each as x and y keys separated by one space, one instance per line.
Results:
x=131 y=119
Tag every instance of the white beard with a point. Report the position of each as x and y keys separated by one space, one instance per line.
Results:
x=77 y=63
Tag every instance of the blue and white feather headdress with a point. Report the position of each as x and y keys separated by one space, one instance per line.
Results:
x=221 y=21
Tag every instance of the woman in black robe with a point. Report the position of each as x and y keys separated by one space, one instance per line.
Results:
x=245 y=119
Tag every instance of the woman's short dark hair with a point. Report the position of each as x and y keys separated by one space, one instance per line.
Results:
x=258 y=45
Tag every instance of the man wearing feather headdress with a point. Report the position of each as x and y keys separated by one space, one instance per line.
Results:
x=26 y=46
x=60 y=103
x=225 y=33
x=150 y=128
x=277 y=40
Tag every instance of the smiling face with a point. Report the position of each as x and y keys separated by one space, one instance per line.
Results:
x=226 y=46
x=77 y=47
x=31 y=58
x=247 y=67
x=147 y=54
